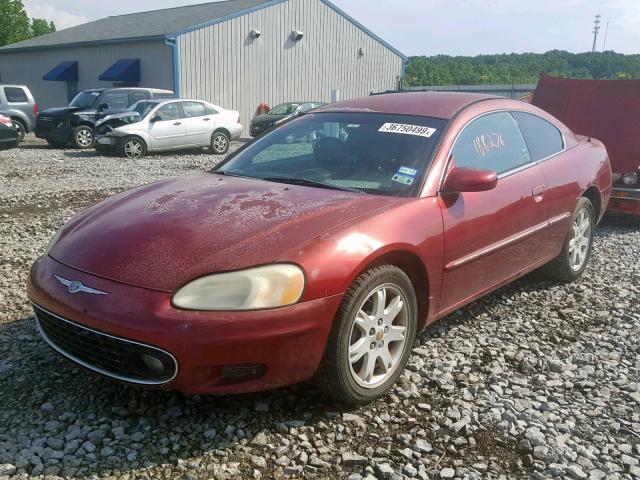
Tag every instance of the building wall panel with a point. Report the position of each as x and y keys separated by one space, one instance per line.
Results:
x=222 y=64
x=28 y=67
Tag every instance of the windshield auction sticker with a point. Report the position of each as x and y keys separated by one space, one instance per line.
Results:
x=404 y=129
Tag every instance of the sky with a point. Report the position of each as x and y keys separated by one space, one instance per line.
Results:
x=434 y=27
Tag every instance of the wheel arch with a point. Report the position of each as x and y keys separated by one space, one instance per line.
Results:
x=594 y=196
x=223 y=130
x=411 y=264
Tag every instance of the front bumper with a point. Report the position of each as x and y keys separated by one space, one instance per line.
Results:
x=625 y=200
x=106 y=140
x=285 y=345
x=54 y=134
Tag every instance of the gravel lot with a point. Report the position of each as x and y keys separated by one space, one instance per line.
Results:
x=538 y=380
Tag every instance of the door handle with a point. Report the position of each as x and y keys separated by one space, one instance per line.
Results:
x=206 y=119
x=538 y=193
x=177 y=123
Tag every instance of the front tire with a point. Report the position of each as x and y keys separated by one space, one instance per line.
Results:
x=371 y=338
x=82 y=137
x=577 y=248
x=132 y=147
x=20 y=128
x=220 y=143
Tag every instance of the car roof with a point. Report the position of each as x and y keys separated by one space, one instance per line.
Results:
x=424 y=104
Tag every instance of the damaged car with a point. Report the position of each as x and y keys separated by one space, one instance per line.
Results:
x=168 y=125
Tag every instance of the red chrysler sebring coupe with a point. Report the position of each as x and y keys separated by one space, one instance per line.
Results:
x=323 y=248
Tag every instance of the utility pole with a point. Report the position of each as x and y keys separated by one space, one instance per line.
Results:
x=606 y=32
x=596 y=29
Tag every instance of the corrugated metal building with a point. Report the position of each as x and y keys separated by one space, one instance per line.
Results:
x=235 y=53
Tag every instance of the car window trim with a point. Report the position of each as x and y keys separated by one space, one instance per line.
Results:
x=508 y=172
x=564 y=140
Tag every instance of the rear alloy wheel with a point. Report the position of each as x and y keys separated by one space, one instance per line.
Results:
x=83 y=137
x=573 y=259
x=371 y=338
x=133 y=147
x=220 y=143
x=20 y=128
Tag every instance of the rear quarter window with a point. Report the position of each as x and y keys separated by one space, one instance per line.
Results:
x=15 y=95
x=542 y=137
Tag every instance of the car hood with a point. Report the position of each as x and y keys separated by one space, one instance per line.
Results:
x=163 y=235
x=65 y=111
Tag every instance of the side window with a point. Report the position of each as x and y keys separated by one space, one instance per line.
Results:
x=15 y=95
x=116 y=99
x=137 y=95
x=193 y=109
x=171 y=111
x=542 y=137
x=210 y=110
x=491 y=142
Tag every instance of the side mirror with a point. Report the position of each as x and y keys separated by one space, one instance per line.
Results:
x=103 y=106
x=466 y=179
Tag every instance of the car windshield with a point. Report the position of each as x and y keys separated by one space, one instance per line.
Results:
x=143 y=107
x=85 y=99
x=372 y=153
x=284 y=109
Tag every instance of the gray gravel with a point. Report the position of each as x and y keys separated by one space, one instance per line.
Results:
x=537 y=380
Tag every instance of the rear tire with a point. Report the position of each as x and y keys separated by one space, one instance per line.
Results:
x=577 y=248
x=82 y=137
x=20 y=128
x=371 y=338
x=220 y=143
x=132 y=147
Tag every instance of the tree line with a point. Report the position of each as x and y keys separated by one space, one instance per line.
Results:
x=519 y=68
x=15 y=24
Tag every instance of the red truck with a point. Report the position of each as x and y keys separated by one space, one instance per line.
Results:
x=608 y=110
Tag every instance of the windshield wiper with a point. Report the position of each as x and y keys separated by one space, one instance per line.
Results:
x=310 y=183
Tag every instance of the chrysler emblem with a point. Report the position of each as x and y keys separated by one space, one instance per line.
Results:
x=76 y=286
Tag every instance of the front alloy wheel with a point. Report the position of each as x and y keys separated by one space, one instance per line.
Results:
x=133 y=148
x=371 y=338
x=378 y=336
x=83 y=137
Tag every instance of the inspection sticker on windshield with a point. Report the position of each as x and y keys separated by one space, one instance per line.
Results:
x=404 y=129
x=404 y=179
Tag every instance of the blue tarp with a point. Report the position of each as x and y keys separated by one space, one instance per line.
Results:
x=64 y=72
x=124 y=70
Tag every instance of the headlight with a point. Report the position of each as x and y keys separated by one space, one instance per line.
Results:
x=615 y=178
x=53 y=241
x=629 y=179
x=257 y=288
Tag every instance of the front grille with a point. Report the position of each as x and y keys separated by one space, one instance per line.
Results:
x=105 y=354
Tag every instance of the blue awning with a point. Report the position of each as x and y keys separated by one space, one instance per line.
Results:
x=65 y=72
x=124 y=70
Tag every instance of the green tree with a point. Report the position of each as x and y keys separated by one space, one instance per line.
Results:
x=39 y=26
x=14 y=22
x=15 y=25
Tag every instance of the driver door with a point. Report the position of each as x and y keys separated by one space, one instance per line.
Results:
x=167 y=130
x=491 y=236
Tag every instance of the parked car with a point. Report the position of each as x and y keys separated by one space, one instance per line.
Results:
x=156 y=126
x=75 y=123
x=280 y=114
x=9 y=136
x=18 y=103
x=608 y=110
x=321 y=259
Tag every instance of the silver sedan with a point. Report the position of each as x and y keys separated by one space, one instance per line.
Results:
x=163 y=125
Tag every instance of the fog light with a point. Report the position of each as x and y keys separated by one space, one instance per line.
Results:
x=152 y=363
